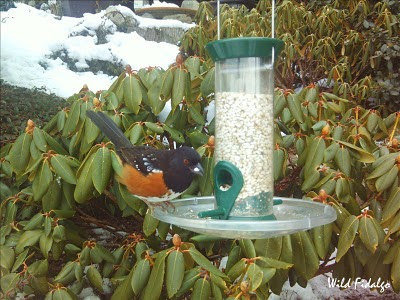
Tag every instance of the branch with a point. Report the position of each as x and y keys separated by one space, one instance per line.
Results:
x=325 y=269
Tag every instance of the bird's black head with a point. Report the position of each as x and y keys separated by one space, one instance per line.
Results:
x=184 y=164
x=186 y=159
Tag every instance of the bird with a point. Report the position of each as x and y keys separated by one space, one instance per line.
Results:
x=152 y=175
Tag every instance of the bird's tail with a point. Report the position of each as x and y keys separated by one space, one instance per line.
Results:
x=109 y=128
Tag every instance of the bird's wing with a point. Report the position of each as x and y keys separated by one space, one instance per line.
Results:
x=144 y=159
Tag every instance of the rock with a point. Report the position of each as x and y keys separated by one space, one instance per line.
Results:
x=6 y=5
x=191 y=4
x=170 y=35
x=124 y=22
x=32 y=3
x=147 y=15
x=180 y=17
x=44 y=6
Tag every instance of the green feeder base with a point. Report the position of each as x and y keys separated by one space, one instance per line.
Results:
x=291 y=216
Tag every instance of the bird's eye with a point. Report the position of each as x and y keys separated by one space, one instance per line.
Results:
x=186 y=162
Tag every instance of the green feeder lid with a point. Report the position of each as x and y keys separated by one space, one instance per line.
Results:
x=244 y=47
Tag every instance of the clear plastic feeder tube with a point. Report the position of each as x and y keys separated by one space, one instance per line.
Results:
x=244 y=88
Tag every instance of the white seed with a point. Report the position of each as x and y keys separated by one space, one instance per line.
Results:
x=244 y=137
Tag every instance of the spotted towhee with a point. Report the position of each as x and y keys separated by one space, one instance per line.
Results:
x=151 y=174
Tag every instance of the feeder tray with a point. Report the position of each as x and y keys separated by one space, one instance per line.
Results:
x=292 y=215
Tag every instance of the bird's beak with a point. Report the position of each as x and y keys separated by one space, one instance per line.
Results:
x=197 y=169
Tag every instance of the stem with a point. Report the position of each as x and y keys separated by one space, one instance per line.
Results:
x=395 y=126
x=111 y=196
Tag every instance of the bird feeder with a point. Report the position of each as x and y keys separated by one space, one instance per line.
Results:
x=244 y=205
x=244 y=123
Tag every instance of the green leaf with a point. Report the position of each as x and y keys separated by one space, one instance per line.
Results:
x=140 y=276
x=132 y=93
x=45 y=244
x=248 y=249
x=347 y=234
x=63 y=169
x=294 y=106
x=154 y=127
x=176 y=135
x=201 y=289
x=136 y=133
x=95 y=279
x=116 y=163
x=61 y=116
x=156 y=279
x=342 y=190
x=382 y=169
x=392 y=205
x=39 y=268
x=105 y=254
x=59 y=233
x=394 y=226
x=20 y=153
x=7 y=257
x=330 y=152
x=34 y=222
x=216 y=291
x=189 y=280
x=365 y=156
x=218 y=281
x=9 y=282
x=61 y=294
x=178 y=87
x=279 y=104
x=343 y=161
x=271 y=247
x=311 y=180
x=53 y=144
x=20 y=259
x=193 y=66
x=47 y=225
x=101 y=169
x=91 y=131
x=175 y=272
x=255 y=275
x=42 y=180
x=385 y=181
x=384 y=158
x=315 y=155
x=368 y=234
x=305 y=259
x=52 y=199
x=205 y=263
x=206 y=181
x=196 y=115
x=124 y=290
x=237 y=270
x=84 y=185
x=208 y=83
x=150 y=224
x=112 y=101
x=28 y=238
x=233 y=257
x=66 y=274
x=279 y=163
x=39 y=140
x=273 y=263
x=395 y=272
x=73 y=119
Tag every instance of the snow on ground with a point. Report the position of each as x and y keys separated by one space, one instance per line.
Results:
x=29 y=38
x=161 y=4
